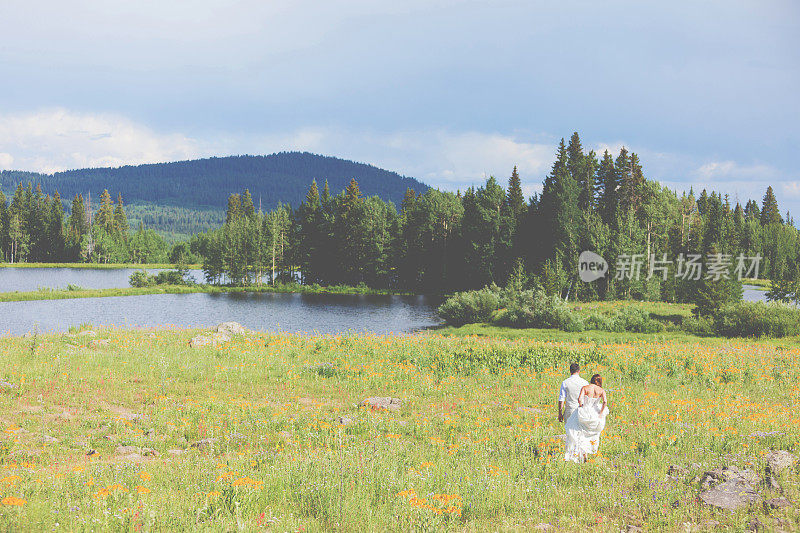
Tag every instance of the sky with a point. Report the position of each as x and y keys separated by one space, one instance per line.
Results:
x=446 y=91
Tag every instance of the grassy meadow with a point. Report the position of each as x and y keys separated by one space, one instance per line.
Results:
x=135 y=430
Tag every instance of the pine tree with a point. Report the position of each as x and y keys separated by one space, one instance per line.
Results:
x=770 y=214
x=55 y=229
x=310 y=223
x=248 y=209
x=120 y=218
x=608 y=197
x=515 y=201
x=234 y=210
x=105 y=214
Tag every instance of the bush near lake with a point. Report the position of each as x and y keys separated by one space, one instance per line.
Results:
x=535 y=309
x=141 y=278
x=135 y=430
x=757 y=319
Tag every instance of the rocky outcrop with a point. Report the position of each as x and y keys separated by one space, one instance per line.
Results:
x=778 y=460
x=231 y=328
x=729 y=488
x=380 y=403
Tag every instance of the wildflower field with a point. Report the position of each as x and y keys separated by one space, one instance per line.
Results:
x=135 y=430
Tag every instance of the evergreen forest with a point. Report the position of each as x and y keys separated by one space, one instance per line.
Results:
x=441 y=242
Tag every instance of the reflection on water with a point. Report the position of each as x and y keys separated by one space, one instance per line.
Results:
x=265 y=312
x=30 y=279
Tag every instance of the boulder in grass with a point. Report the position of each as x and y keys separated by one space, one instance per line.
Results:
x=214 y=340
x=379 y=403
x=728 y=473
x=202 y=444
x=779 y=460
x=778 y=503
x=732 y=494
x=231 y=328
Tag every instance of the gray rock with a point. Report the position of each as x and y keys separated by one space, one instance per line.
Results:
x=47 y=439
x=381 y=403
x=87 y=333
x=732 y=494
x=231 y=328
x=630 y=528
x=778 y=503
x=542 y=527
x=344 y=420
x=675 y=471
x=176 y=452
x=728 y=473
x=780 y=459
x=127 y=450
x=202 y=444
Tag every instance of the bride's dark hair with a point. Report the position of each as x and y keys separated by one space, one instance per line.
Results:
x=597 y=380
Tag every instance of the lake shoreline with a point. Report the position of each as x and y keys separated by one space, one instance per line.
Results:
x=65 y=294
x=100 y=266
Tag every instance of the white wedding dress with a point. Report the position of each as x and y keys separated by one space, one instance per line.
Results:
x=584 y=427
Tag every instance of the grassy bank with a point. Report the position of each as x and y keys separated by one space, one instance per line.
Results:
x=96 y=266
x=61 y=294
x=759 y=283
x=140 y=432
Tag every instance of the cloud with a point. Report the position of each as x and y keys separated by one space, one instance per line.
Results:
x=792 y=189
x=731 y=170
x=440 y=158
x=59 y=139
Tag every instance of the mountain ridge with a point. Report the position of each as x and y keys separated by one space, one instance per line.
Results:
x=207 y=182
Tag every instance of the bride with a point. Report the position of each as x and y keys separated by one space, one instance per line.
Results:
x=586 y=423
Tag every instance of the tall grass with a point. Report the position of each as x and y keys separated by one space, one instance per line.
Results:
x=472 y=447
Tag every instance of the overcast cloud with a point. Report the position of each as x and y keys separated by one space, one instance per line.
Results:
x=447 y=91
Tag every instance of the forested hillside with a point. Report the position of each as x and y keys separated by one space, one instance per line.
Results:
x=444 y=241
x=204 y=185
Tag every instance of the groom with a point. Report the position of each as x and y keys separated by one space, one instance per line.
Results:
x=568 y=396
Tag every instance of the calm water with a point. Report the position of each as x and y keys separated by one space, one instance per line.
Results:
x=30 y=279
x=264 y=312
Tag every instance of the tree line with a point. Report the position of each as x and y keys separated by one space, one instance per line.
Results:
x=442 y=241
x=35 y=228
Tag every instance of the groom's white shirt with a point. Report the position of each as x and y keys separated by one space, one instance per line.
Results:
x=570 y=389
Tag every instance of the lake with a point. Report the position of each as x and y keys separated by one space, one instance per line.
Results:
x=264 y=311
x=295 y=313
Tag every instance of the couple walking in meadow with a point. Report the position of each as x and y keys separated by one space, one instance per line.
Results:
x=583 y=406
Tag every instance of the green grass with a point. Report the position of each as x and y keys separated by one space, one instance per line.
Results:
x=758 y=283
x=99 y=266
x=62 y=294
x=471 y=449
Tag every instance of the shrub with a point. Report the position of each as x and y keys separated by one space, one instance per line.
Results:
x=534 y=309
x=701 y=326
x=169 y=277
x=141 y=278
x=470 y=307
x=634 y=320
x=757 y=319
